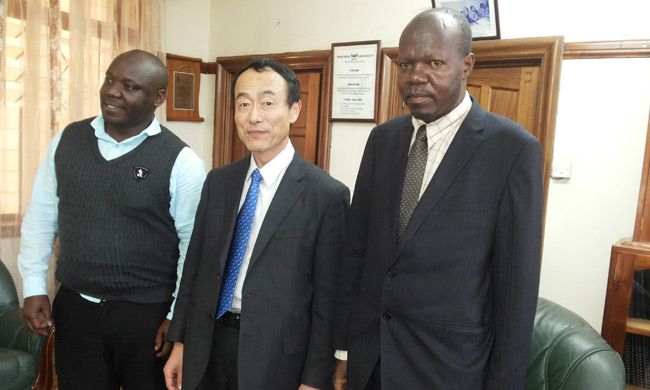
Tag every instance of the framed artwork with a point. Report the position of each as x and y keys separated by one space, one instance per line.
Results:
x=355 y=84
x=482 y=15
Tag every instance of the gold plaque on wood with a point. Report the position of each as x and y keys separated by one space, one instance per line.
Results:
x=183 y=91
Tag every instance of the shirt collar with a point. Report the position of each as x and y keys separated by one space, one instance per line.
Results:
x=273 y=169
x=100 y=130
x=457 y=114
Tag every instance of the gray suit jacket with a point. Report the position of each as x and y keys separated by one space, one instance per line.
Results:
x=451 y=305
x=290 y=288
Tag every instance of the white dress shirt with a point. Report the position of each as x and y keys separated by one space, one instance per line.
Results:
x=440 y=133
x=272 y=174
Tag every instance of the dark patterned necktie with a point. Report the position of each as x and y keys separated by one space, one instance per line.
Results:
x=415 y=166
x=238 y=245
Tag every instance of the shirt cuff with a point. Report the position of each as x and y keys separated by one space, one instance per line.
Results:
x=35 y=284
x=341 y=355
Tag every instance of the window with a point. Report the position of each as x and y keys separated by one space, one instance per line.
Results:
x=53 y=55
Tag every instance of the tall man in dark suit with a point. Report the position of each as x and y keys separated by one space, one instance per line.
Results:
x=268 y=327
x=441 y=262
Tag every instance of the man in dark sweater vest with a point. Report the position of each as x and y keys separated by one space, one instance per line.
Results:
x=121 y=191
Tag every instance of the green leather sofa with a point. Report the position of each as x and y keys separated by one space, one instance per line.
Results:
x=568 y=354
x=19 y=346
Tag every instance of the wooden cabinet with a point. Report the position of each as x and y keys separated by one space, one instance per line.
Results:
x=627 y=257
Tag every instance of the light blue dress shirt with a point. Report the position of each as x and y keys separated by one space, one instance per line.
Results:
x=40 y=225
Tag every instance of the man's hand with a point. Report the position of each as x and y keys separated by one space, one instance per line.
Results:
x=37 y=312
x=161 y=340
x=174 y=368
x=340 y=377
x=305 y=387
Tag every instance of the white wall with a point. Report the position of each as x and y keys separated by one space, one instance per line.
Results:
x=602 y=113
x=188 y=25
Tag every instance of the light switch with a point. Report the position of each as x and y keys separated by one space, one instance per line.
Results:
x=561 y=170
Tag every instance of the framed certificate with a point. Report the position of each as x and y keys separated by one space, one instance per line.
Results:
x=354 y=86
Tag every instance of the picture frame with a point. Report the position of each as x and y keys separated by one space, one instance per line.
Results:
x=354 y=89
x=483 y=16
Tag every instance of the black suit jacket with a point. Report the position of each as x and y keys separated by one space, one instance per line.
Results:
x=289 y=294
x=451 y=305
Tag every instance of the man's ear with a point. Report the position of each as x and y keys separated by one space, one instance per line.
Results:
x=295 y=111
x=161 y=96
x=468 y=65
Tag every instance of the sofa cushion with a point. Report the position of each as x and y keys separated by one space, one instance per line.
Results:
x=17 y=369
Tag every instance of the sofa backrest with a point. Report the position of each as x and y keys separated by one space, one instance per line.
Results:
x=8 y=294
x=566 y=353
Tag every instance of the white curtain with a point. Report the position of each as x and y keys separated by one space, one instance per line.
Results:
x=53 y=55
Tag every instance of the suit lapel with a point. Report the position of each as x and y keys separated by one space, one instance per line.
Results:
x=234 y=185
x=399 y=159
x=288 y=192
x=466 y=141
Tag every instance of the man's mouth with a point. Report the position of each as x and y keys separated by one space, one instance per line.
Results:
x=112 y=107
x=419 y=97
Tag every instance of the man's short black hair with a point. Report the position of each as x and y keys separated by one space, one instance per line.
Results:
x=261 y=65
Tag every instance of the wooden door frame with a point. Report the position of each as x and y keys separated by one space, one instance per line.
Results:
x=543 y=52
x=317 y=61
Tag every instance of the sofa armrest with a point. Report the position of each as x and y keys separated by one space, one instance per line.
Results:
x=14 y=333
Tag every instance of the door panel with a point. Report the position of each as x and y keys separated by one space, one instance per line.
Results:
x=516 y=78
x=507 y=91
x=304 y=132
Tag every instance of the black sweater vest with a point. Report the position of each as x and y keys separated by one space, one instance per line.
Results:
x=117 y=237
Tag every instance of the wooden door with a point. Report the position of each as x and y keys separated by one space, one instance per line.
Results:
x=508 y=91
x=516 y=78
x=304 y=132
x=310 y=135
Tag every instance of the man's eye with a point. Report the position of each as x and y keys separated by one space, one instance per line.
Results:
x=128 y=87
x=404 y=65
x=436 y=63
x=108 y=81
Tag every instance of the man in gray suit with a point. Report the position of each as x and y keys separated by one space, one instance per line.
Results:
x=258 y=291
x=441 y=262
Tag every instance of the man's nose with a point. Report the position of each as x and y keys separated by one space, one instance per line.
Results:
x=417 y=74
x=256 y=113
x=112 y=90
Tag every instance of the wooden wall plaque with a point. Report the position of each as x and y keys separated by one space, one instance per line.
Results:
x=183 y=90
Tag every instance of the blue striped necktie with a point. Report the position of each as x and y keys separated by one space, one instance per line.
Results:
x=238 y=245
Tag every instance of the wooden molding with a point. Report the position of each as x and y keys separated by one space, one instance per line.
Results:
x=642 y=222
x=226 y=67
x=607 y=49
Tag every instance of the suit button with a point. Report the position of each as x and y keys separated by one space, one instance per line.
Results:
x=391 y=273
x=219 y=277
x=387 y=316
